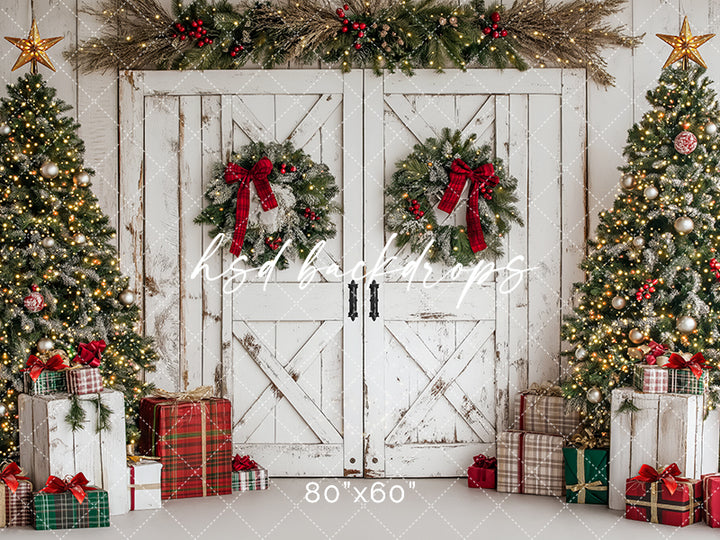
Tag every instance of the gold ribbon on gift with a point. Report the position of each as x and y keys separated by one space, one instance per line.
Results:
x=3 y=513
x=144 y=486
x=197 y=394
x=133 y=459
x=585 y=438
x=45 y=356
x=582 y=486
x=654 y=505
x=545 y=389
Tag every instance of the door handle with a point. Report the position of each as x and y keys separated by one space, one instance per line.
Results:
x=374 y=308
x=353 y=300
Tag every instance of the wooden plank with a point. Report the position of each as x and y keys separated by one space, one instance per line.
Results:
x=411 y=460
x=113 y=453
x=284 y=301
x=411 y=118
x=482 y=119
x=290 y=459
x=246 y=120
x=477 y=81
x=621 y=427
x=225 y=384
x=314 y=119
x=440 y=302
x=15 y=20
x=285 y=384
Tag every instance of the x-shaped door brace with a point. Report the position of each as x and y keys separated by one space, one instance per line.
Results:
x=442 y=381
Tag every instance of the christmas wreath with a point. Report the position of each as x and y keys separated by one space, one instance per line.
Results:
x=290 y=201
x=425 y=192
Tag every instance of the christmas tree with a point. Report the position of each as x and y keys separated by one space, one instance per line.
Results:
x=651 y=271
x=59 y=279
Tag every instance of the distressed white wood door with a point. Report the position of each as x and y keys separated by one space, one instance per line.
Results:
x=440 y=377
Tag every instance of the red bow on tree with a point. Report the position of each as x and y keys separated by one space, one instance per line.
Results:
x=258 y=174
x=243 y=463
x=696 y=363
x=35 y=366
x=655 y=350
x=77 y=485
x=483 y=180
x=11 y=476
x=90 y=353
x=669 y=476
x=485 y=462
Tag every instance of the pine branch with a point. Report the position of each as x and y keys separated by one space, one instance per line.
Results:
x=103 y=415
x=76 y=417
x=627 y=406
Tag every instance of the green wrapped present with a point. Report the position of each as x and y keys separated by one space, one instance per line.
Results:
x=49 y=382
x=586 y=475
x=687 y=373
x=71 y=504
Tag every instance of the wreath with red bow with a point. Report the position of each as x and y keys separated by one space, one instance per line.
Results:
x=267 y=195
x=429 y=188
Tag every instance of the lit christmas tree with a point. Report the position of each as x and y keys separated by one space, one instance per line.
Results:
x=59 y=279
x=652 y=272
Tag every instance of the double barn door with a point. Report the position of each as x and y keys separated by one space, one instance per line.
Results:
x=422 y=383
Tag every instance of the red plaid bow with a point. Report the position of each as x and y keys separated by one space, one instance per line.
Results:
x=484 y=462
x=258 y=174
x=696 y=363
x=35 y=366
x=90 y=353
x=11 y=476
x=655 y=350
x=243 y=463
x=77 y=485
x=669 y=476
x=483 y=180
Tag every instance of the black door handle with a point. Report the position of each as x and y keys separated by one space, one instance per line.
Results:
x=353 y=300
x=374 y=308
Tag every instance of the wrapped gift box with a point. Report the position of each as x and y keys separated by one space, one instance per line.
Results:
x=49 y=446
x=250 y=479
x=652 y=501
x=193 y=441
x=49 y=382
x=15 y=497
x=84 y=381
x=63 y=511
x=683 y=381
x=144 y=484
x=650 y=379
x=711 y=499
x=482 y=473
x=666 y=428
x=542 y=413
x=586 y=475
x=530 y=463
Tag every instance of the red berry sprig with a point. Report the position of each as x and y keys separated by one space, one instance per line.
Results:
x=284 y=168
x=486 y=192
x=646 y=290
x=493 y=29
x=350 y=25
x=235 y=49
x=312 y=216
x=415 y=209
x=273 y=243
x=196 y=31
x=715 y=266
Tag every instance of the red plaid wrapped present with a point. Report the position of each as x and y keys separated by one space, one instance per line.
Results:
x=542 y=409
x=663 y=497
x=650 y=379
x=711 y=499
x=481 y=474
x=15 y=497
x=530 y=463
x=192 y=437
x=84 y=381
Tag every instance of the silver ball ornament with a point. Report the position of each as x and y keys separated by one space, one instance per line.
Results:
x=3 y=409
x=618 y=302
x=581 y=353
x=79 y=238
x=627 y=181
x=82 y=179
x=45 y=345
x=48 y=242
x=636 y=336
x=127 y=297
x=5 y=129
x=651 y=193
x=638 y=241
x=686 y=324
x=594 y=395
x=684 y=225
x=711 y=128
x=49 y=170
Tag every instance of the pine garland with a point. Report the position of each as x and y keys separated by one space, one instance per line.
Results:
x=76 y=416
x=383 y=34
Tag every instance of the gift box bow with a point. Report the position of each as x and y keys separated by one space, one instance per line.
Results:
x=90 y=354
x=484 y=462
x=655 y=350
x=242 y=463
x=36 y=365
x=77 y=485
x=11 y=474
x=669 y=476
x=545 y=389
x=196 y=394
x=695 y=364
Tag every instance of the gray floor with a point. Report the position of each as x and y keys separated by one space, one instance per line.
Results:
x=430 y=508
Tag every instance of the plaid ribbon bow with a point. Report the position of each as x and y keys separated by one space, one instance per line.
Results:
x=258 y=174
x=483 y=180
x=656 y=349
x=35 y=365
x=11 y=475
x=90 y=354
x=484 y=462
x=668 y=476
x=696 y=363
x=77 y=485
x=242 y=463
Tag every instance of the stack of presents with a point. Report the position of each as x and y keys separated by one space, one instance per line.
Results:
x=72 y=476
x=659 y=465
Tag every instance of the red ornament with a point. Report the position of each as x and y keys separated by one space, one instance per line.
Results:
x=496 y=34
x=495 y=17
x=293 y=168
x=358 y=46
x=346 y=21
x=487 y=30
x=361 y=34
x=355 y=25
x=715 y=267
x=646 y=290
x=495 y=26
x=503 y=33
x=346 y=7
x=363 y=26
x=685 y=142
x=34 y=301
x=345 y=29
x=340 y=13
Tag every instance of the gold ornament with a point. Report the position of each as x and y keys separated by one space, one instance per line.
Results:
x=33 y=49
x=685 y=46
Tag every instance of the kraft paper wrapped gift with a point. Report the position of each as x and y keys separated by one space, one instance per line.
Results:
x=530 y=463
x=542 y=409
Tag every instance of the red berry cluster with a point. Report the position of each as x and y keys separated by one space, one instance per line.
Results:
x=645 y=290
x=196 y=31
x=235 y=49
x=349 y=25
x=415 y=209
x=273 y=243
x=284 y=168
x=494 y=29
x=486 y=192
x=715 y=266
x=312 y=216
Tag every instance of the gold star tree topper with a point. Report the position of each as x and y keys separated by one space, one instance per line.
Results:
x=685 y=46
x=33 y=49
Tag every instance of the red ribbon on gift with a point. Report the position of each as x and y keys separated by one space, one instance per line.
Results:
x=655 y=350
x=669 y=476
x=484 y=462
x=483 y=180
x=243 y=463
x=35 y=366
x=77 y=485
x=90 y=354
x=696 y=363
x=10 y=474
x=258 y=174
